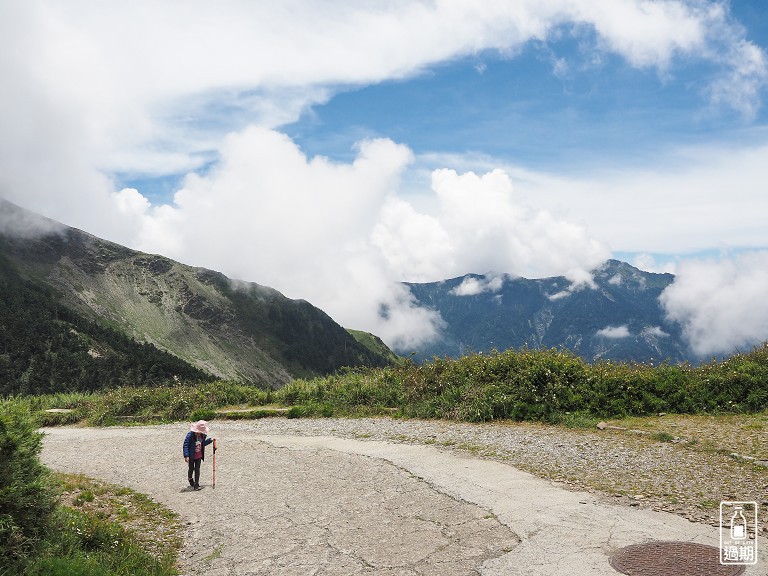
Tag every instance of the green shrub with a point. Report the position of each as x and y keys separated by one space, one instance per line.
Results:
x=203 y=414
x=27 y=498
x=296 y=412
x=57 y=418
x=663 y=437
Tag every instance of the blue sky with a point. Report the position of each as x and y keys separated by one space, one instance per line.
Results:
x=517 y=108
x=332 y=150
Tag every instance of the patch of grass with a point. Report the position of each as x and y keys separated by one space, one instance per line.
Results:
x=84 y=543
x=709 y=504
x=212 y=556
x=296 y=412
x=663 y=437
x=579 y=420
x=83 y=497
x=148 y=525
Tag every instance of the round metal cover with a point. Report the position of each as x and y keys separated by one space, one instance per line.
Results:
x=671 y=559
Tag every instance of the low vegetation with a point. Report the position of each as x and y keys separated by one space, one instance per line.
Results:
x=551 y=386
x=53 y=525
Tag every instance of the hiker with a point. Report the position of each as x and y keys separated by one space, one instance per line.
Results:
x=194 y=450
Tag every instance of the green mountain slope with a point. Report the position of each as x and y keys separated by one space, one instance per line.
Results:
x=228 y=329
x=45 y=347
x=375 y=344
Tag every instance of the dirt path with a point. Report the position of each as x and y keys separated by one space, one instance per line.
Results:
x=312 y=505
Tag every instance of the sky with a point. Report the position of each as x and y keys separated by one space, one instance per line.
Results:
x=333 y=150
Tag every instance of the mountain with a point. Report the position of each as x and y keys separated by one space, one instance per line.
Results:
x=618 y=318
x=81 y=295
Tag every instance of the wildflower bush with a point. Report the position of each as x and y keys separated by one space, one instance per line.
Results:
x=359 y=390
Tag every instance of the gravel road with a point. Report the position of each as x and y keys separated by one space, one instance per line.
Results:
x=340 y=497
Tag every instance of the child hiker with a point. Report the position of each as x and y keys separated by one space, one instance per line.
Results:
x=194 y=450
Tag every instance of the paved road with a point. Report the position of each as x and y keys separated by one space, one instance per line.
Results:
x=303 y=505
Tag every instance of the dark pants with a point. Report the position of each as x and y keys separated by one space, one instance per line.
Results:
x=194 y=467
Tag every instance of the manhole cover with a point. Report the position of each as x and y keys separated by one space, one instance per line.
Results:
x=671 y=559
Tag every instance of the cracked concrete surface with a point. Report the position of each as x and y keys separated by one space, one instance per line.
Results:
x=281 y=511
x=321 y=505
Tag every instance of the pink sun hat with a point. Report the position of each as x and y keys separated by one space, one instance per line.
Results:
x=200 y=426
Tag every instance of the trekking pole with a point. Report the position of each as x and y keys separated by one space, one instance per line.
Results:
x=214 y=463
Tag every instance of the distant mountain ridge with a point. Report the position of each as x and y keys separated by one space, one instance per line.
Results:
x=619 y=317
x=225 y=328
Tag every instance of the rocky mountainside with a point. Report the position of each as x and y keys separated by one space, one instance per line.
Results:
x=619 y=318
x=228 y=329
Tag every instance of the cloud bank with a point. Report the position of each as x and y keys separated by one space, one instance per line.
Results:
x=721 y=304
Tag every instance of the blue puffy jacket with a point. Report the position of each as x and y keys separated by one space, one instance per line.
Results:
x=189 y=444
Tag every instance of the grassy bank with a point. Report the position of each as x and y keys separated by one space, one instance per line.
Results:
x=552 y=386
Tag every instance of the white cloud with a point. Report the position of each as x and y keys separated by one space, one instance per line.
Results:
x=267 y=213
x=338 y=234
x=472 y=286
x=476 y=222
x=497 y=231
x=23 y=224
x=614 y=332
x=413 y=243
x=721 y=304
x=744 y=64
x=691 y=200
x=655 y=331
x=648 y=263
x=581 y=278
x=652 y=34
x=647 y=33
